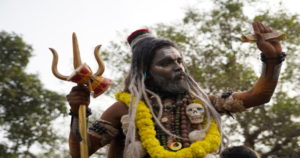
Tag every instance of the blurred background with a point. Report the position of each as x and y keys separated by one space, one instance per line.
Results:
x=34 y=119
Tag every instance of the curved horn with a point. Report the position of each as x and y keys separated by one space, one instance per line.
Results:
x=54 y=66
x=101 y=67
x=76 y=52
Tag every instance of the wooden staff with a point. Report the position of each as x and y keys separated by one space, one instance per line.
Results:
x=82 y=108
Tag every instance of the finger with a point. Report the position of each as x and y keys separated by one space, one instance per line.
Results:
x=75 y=88
x=261 y=27
x=268 y=29
x=78 y=96
x=80 y=88
x=259 y=37
x=260 y=40
x=277 y=46
x=275 y=41
x=80 y=101
x=265 y=30
x=79 y=92
x=255 y=27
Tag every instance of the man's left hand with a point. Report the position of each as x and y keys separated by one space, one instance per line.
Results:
x=270 y=48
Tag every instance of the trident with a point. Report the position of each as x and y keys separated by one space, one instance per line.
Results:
x=83 y=75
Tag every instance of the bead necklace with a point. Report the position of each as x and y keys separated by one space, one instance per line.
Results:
x=175 y=120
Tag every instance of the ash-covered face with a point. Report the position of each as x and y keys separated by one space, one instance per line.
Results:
x=168 y=72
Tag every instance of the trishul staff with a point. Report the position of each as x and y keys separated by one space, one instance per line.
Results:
x=83 y=76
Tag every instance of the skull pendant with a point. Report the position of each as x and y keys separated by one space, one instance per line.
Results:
x=195 y=113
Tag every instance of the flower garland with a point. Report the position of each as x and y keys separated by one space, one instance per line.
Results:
x=149 y=141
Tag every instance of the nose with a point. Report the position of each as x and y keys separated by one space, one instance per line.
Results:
x=178 y=67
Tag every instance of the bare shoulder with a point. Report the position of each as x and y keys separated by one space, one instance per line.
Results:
x=114 y=113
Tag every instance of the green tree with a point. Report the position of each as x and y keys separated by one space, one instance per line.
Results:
x=26 y=108
x=215 y=56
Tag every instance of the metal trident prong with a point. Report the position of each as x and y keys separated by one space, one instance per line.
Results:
x=101 y=67
x=54 y=66
x=76 y=52
x=77 y=59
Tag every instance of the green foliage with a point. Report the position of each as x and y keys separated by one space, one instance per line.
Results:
x=216 y=58
x=5 y=153
x=26 y=108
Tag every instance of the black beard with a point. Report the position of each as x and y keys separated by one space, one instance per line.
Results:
x=169 y=87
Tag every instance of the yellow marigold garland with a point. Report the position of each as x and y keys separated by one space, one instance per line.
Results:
x=147 y=134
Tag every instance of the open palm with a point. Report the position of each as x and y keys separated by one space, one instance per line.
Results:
x=270 y=48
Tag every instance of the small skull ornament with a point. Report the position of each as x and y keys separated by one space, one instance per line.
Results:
x=195 y=113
